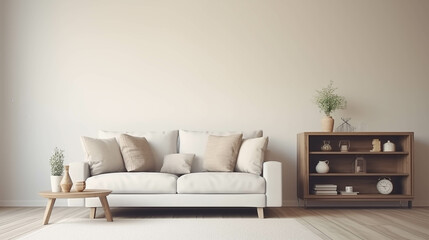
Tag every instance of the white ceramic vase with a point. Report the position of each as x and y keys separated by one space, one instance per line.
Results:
x=327 y=124
x=55 y=183
x=322 y=167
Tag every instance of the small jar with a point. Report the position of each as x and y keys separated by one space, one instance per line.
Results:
x=80 y=186
x=389 y=147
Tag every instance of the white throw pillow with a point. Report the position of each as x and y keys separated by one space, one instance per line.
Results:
x=179 y=163
x=137 y=154
x=251 y=155
x=103 y=155
x=221 y=153
x=196 y=142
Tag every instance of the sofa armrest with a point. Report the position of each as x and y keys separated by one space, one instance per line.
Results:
x=272 y=172
x=79 y=171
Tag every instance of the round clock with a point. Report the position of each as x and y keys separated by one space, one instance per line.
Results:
x=384 y=185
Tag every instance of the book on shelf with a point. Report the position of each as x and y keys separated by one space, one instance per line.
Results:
x=325 y=192
x=348 y=193
x=325 y=187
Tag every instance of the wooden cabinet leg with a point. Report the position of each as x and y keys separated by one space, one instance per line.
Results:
x=260 y=212
x=410 y=204
x=106 y=208
x=48 y=210
x=92 y=212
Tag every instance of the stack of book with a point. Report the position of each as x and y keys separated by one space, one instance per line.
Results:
x=348 y=193
x=325 y=189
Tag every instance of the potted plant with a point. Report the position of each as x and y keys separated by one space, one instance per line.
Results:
x=56 y=161
x=328 y=101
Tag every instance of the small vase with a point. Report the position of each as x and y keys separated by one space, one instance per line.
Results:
x=327 y=124
x=55 y=183
x=66 y=183
x=322 y=167
x=326 y=146
x=80 y=186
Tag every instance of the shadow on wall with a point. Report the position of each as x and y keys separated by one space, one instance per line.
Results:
x=273 y=155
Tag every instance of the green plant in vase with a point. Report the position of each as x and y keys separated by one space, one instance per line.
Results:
x=328 y=101
x=57 y=166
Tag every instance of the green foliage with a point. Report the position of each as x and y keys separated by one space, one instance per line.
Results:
x=328 y=101
x=57 y=161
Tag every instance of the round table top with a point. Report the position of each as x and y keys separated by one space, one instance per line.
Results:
x=74 y=194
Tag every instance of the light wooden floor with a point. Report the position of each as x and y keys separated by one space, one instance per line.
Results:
x=328 y=223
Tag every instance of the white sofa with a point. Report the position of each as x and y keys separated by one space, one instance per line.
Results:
x=199 y=188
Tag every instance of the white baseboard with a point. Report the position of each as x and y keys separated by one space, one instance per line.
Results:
x=290 y=203
x=421 y=203
x=31 y=203
x=76 y=202
x=63 y=203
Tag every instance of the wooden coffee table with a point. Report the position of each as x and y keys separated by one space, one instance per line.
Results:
x=88 y=193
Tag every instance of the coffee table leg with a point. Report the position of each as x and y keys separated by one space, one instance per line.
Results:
x=106 y=208
x=48 y=210
x=92 y=212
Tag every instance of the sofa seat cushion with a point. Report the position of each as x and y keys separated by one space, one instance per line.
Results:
x=220 y=182
x=134 y=182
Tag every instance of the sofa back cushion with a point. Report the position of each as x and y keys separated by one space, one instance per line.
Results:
x=161 y=142
x=196 y=142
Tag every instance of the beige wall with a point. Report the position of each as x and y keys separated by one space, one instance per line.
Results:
x=2 y=98
x=74 y=67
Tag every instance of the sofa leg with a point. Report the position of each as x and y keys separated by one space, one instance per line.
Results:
x=92 y=212
x=260 y=212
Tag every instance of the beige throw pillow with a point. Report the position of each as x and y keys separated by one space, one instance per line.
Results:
x=179 y=163
x=221 y=153
x=251 y=155
x=103 y=155
x=138 y=156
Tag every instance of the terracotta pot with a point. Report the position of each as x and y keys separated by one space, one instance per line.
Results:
x=327 y=124
x=66 y=183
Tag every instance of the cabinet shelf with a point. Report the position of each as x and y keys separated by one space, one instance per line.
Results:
x=358 y=153
x=362 y=196
x=398 y=165
x=358 y=174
